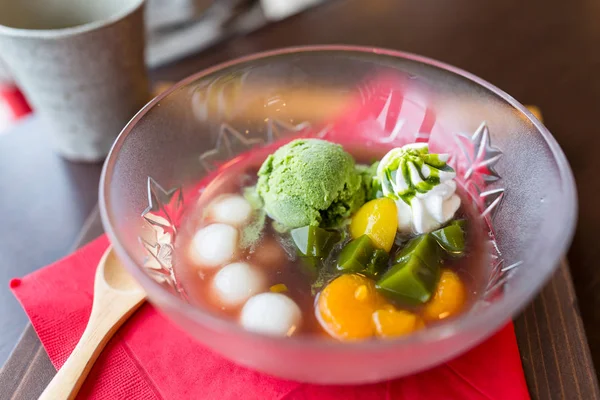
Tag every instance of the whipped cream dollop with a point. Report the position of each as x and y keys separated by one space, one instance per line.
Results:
x=422 y=185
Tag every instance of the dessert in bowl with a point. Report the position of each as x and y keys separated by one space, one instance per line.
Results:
x=336 y=214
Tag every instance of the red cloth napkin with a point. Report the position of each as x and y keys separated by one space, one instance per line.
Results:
x=150 y=358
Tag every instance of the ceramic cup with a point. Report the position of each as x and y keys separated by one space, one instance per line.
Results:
x=81 y=66
x=5 y=78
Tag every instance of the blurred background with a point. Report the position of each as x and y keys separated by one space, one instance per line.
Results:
x=545 y=53
x=176 y=29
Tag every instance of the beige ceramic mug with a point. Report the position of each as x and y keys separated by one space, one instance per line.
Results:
x=81 y=66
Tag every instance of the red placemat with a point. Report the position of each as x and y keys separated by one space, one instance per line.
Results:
x=150 y=358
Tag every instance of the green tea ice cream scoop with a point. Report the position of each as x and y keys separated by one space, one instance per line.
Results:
x=310 y=182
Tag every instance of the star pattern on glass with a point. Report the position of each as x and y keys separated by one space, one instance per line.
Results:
x=164 y=207
x=480 y=155
x=382 y=118
x=492 y=199
x=229 y=143
x=162 y=214
x=323 y=132
x=500 y=273
x=488 y=201
x=365 y=91
x=159 y=256
x=276 y=127
x=500 y=276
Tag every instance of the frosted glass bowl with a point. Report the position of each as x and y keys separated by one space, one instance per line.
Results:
x=509 y=163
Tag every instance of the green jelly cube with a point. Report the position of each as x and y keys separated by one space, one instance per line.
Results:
x=413 y=281
x=314 y=241
x=311 y=266
x=377 y=264
x=356 y=255
x=451 y=238
x=424 y=247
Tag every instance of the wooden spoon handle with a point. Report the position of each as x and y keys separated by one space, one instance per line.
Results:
x=104 y=321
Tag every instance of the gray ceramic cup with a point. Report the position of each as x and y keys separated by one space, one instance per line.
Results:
x=81 y=66
x=5 y=78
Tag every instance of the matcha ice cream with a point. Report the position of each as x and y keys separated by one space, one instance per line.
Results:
x=310 y=182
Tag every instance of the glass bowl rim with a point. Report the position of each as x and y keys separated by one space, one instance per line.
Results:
x=497 y=314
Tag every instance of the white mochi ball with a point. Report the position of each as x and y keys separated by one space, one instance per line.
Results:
x=237 y=282
x=214 y=245
x=231 y=209
x=271 y=313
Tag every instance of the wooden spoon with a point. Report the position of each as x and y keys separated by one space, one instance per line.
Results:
x=116 y=296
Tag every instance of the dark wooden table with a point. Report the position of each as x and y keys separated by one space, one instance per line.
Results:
x=542 y=52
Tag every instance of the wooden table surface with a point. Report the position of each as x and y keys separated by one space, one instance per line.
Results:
x=542 y=52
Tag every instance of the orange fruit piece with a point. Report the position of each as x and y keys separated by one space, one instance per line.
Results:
x=279 y=288
x=346 y=305
x=390 y=323
x=377 y=219
x=449 y=298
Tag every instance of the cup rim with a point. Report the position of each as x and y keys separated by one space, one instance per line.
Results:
x=495 y=316
x=60 y=33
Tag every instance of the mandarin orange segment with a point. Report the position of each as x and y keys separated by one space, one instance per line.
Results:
x=449 y=298
x=377 y=219
x=391 y=323
x=346 y=305
x=279 y=288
